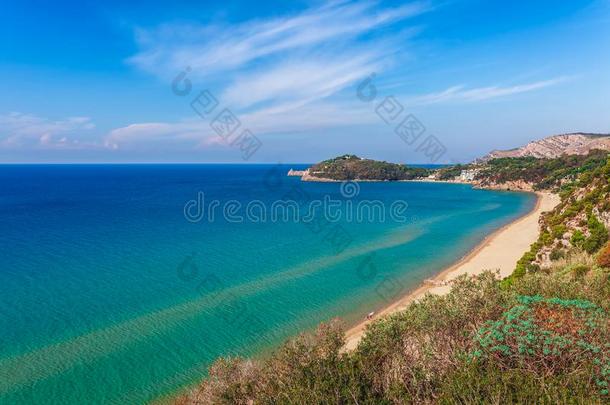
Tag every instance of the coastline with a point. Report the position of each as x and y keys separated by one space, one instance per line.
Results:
x=508 y=186
x=499 y=250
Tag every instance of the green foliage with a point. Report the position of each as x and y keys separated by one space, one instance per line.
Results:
x=351 y=167
x=525 y=264
x=451 y=172
x=599 y=235
x=578 y=238
x=557 y=254
x=545 y=173
x=580 y=270
x=558 y=230
x=485 y=383
x=549 y=336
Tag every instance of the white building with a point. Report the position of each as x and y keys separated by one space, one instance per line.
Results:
x=468 y=175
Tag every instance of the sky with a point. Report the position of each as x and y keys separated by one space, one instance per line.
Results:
x=300 y=81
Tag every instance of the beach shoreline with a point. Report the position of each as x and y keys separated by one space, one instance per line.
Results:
x=500 y=251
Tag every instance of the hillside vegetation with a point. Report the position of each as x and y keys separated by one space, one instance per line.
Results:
x=540 y=336
x=543 y=174
x=579 y=223
x=351 y=167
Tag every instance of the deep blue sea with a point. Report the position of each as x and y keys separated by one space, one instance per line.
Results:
x=110 y=294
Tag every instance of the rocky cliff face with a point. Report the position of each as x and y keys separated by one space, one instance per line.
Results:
x=555 y=146
x=518 y=185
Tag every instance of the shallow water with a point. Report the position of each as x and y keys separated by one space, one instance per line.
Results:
x=108 y=294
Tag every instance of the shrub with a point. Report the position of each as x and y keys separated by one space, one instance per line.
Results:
x=603 y=259
x=577 y=238
x=485 y=383
x=599 y=235
x=532 y=268
x=406 y=357
x=306 y=369
x=558 y=231
x=557 y=254
x=230 y=381
x=580 y=270
x=549 y=337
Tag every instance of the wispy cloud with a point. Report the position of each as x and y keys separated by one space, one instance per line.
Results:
x=222 y=48
x=154 y=134
x=18 y=130
x=297 y=82
x=288 y=74
x=294 y=59
x=196 y=133
x=277 y=74
x=462 y=93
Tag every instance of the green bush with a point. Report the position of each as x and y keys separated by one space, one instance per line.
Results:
x=549 y=337
x=580 y=270
x=558 y=231
x=598 y=237
x=578 y=238
x=557 y=254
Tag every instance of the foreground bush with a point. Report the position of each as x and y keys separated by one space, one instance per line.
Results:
x=407 y=356
x=550 y=337
x=543 y=340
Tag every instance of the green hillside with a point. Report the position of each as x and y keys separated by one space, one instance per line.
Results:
x=351 y=167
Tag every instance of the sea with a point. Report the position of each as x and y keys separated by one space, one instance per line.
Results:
x=123 y=283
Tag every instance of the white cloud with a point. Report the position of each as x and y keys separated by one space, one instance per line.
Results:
x=276 y=74
x=294 y=116
x=298 y=59
x=214 y=48
x=299 y=81
x=197 y=133
x=18 y=130
x=285 y=75
x=461 y=93
x=153 y=134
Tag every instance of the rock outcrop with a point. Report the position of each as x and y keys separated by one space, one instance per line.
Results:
x=555 y=146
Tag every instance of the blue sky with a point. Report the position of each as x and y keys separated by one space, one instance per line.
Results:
x=90 y=81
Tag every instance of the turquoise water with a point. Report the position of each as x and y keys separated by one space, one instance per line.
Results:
x=109 y=295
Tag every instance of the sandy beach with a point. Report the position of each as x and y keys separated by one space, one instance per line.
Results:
x=499 y=251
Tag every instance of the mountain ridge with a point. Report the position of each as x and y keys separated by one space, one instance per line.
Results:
x=575 y=143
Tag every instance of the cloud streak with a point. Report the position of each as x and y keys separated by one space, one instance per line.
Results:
x=291 y=60
x=280 y=75
x=221 y=48
x=18 y=130
x=463 y=94
x=197 y=133
x=288 y=74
